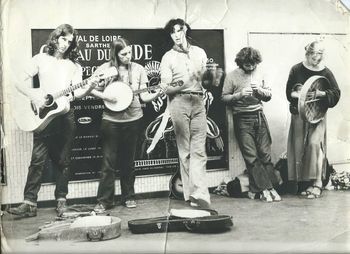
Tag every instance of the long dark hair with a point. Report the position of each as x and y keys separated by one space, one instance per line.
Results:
x=63 y=30
x=116 y=46
x=169 y=29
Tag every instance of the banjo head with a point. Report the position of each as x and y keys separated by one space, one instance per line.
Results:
x=122 y=93
x=312 y=109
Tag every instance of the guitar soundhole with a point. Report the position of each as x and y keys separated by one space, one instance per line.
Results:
x=45 y=110
x=49 y=100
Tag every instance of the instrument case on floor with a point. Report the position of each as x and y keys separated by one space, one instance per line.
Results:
x=173 y=223
x=89 y=228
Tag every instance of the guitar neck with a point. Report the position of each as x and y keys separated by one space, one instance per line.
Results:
x=108 y=73
x=70 y=89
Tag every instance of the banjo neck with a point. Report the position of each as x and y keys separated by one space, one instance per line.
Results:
x=123 y=94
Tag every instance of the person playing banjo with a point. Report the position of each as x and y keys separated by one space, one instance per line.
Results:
x=306 y=150
x=120 y=128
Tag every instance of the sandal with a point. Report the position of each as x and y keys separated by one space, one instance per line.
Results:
x=307 y=192
x=315 y=193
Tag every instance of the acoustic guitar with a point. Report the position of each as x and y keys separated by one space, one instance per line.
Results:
x=123 y=94
x=32 y=117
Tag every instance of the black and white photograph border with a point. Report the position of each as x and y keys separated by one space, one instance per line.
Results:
x=236 y=220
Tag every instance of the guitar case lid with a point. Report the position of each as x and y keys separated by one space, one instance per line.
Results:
x=89 y=228
x=203 y=223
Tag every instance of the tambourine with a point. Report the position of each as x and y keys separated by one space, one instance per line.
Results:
x=312 y=109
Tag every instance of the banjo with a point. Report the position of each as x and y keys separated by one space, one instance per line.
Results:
x=124 y=95
x=312 y=109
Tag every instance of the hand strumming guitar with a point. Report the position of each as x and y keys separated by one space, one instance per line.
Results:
x=38 y=97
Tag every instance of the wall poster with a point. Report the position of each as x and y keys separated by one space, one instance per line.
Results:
x=148 y=47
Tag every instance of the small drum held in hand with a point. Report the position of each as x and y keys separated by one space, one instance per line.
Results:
x=312 y=109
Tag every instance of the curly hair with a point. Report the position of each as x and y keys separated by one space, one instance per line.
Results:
x=63 y=30
x=248 y=55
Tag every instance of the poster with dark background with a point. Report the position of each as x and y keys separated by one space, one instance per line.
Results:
x=148 y=47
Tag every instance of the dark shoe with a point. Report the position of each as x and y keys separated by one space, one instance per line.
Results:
x=61 y=207
x=23 y=210
x=194 y=204
x=200 y=202
x=100 y=208
x=130 y=203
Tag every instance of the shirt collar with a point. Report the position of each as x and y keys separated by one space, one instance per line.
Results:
x=182 y=50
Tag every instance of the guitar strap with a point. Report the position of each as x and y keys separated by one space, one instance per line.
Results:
x=160 y=130
x=130 y=75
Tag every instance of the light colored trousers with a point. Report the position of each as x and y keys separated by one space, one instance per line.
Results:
x=188 y=115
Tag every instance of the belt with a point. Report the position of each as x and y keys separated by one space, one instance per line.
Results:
x=252 y=115
x=192 y=93
x=257 y=112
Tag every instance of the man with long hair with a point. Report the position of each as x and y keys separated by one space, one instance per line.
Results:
x=120 y=129
x=57 y=69
x=186 y=62
x=244 y=89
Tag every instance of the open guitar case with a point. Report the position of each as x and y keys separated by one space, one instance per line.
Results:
x=82 y=228
x=207 y=221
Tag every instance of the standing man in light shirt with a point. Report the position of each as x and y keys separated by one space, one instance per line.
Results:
x=245 y=88
x=186 y=62
x=57 y=69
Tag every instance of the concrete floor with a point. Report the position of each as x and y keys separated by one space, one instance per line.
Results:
x=294 y=225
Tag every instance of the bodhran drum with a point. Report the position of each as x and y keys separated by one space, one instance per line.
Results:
x=312 y=109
